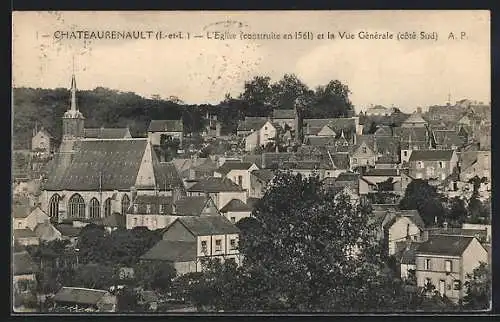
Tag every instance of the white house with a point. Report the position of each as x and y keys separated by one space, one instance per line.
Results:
x=237 y=171
x=24 y=218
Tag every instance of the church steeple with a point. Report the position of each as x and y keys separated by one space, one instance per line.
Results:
x=73 y=120
x=73 y=93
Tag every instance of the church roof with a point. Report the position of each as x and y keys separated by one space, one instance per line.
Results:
x=109 y=164
x=105 y=133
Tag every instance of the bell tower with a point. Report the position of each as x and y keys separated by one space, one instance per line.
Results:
x=73 y=119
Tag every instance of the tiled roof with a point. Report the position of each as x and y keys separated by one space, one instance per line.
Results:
x=185 y=164
x=382 y=173
x=24 y=233
x=314 y=126
x=448 y=138
x=235 y=205
x=445 y=245
x=22 y=263
x=191 y=206
x=154 y=202
x=46 y=231
x=320 y=140
x=166 y=176
x=106 y=133
x=68 y=230
x=346 y=176
x=405 y=252
x=431 y=155
x=480 y=234
x=212 y=184
x=79 y=295
x=208 y=225
x=111 y=164
x=284 y=114
x=172 y=251
x=271 y=158
x=228 y=166
x=265 y=175
x=252 y=123
x=415 y=118
x=340 y=160
x=20 y=210
x=166 y=126
x=413 y=134
x=413 y=215
x=253 y=158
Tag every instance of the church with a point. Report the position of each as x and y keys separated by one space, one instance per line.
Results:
x=94 y=176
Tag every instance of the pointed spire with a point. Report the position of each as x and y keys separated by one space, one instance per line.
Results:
x=73 y=93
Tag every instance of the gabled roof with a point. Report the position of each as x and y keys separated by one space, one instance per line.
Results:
x=185 y=164
x=480 y=234
x=191 y=206
x=20 y=210
x=213 y=185
x=448 y=245
x=22 y=263
x=68 y=230
x=265 y=175
x=45 y=231
x=207 y=225
x=235 y=205
x=415 y=118
x=252 y=123
x=448 y=138
x=154 y=202
x=340 y=160
x=348 y=177
x=166 y=176
x=405 y=252
x=228 y=166
x=284 y=114
x=111 y=164
x=24 y=233
x=320 y=140
x=314 y=126
x=79 y=295
x=106 y=133
x=172 y=251
x=166 y=126
x=413 y=134
x=431 y=155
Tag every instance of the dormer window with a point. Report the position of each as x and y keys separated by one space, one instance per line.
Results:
x=136 y=208
x=363 y=149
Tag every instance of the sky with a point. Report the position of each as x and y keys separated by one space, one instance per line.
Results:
x=390 y=72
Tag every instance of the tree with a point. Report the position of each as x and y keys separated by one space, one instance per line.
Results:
x=98 y=276
x=307 y=250
x=456 y=212
x=332 y=100
x=423 y=197
x=478 y=288
x=127 y=300
x=92 y=244
x=289 y=90
x=257 y=91
x=155 y=275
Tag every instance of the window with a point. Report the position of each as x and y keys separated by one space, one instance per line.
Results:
x=428 y=281
x=447 y=266
x=240 y=180
x=265 y=128
x=203 y=246
x=19 y=225
x=94 y=209
x=427 y=264
x=354 y=160
x=135 y=222
x=363 y=149
x=218 y=245
x=457 y=285
x=54 y=206
x=148 y=208
x=155 y=222
x=405 y=153
x=107 y=207
x=125 y=204
x=136 y=208
x=76 y=207
x=233 y=243
x=420 y=164
x=441 y=164
x=233 y=219
x=160 y=209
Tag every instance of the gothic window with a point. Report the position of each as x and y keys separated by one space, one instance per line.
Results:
x=54 y=206
x=94 y=209
x=76 y=207
x=125 y=204
x=107 y=207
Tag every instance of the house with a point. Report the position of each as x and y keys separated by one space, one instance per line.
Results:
x=213 y=127
x=348 y=179
x=379 y=110
x=195 y=168
x=445 y=260
x=189 y=240
x=405 y=225
x=24 y=218
x=405 y=257
x=432 y=164
x=235 y=210
x=168 y=129
x=42 y=141
x=46 y=232
x=478 y=231
x=221 y=190
x=309 y=168
x=475 y=163
x=24 y=271
x=285 y=118
x=415 y=120
x=381 y=180
x=261 y=136
x=447 y=140
x=250 y=125
x=259 y=181
x=26 y=237
x=237 y=171
x=362 y=155
x=107 y=133
x=333 y=127
x=411 y=139
x=85 y=299
x=157 y=212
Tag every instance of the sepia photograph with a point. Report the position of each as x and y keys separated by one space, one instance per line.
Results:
x=251 y=162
